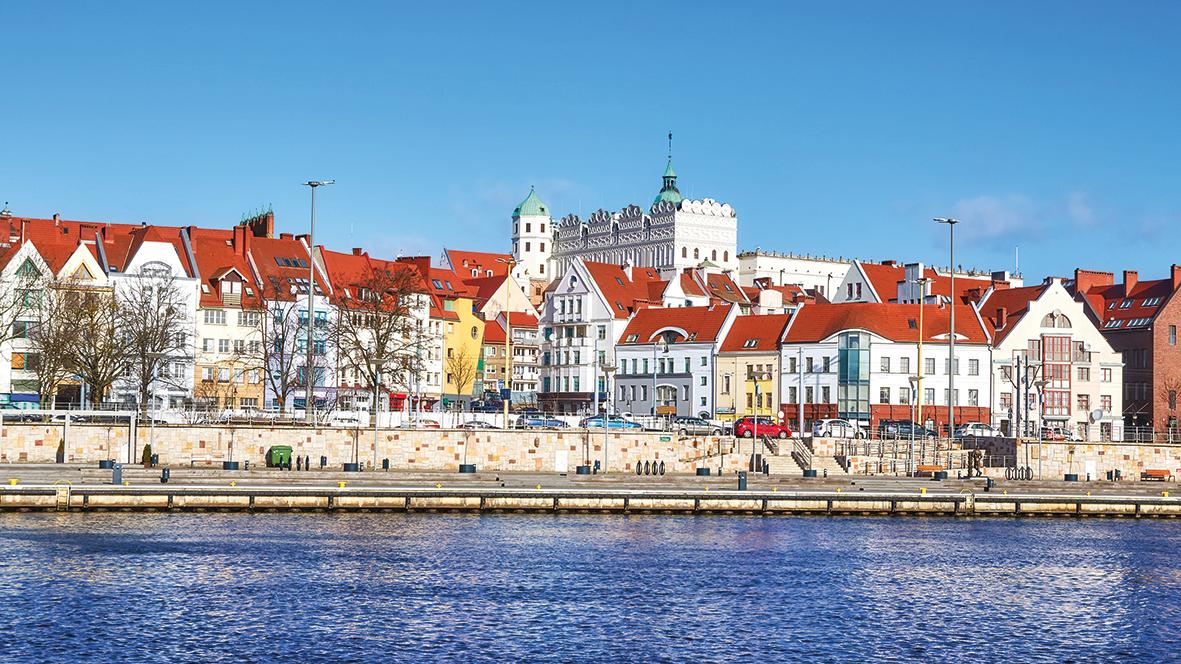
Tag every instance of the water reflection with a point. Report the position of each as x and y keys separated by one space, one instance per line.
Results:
x=292 y=587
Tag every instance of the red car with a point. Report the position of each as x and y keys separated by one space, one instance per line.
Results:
x=744 y=427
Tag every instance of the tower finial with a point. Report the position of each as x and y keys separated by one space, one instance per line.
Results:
x=670 y=145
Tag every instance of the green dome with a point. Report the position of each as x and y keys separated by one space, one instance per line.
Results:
x=531 y=206
x=669 y=191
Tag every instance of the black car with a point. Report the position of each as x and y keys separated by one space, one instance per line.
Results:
x=905 y=429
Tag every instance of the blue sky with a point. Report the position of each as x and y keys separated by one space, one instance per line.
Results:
x=836 y=129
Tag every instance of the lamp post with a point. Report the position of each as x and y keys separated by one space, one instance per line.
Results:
x=508 y=334
x=915 y=381
x=376 y=410
x=1040 y=386
x=608 y=369
x=757 y=376
x=921 y=282
x=951 y=400
x=309 y=374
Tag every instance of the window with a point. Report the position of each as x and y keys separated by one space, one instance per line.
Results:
x=704 y=381
x=809 y=395
x=20 y=329
x=726 y=384
x=1084 y=373
x=223 y=345
x=885 y=365
x=1084 y=402
x=884 y=395
x=1125 y=304
x=973 y=397
x=696 y=253
x=1172 y=335
x=793 y=394
x=929 y=395
x=215 y=317
x=1106 y=377
x=904 y=395
x=858 y=290
x=643 y=393
x=904 y=365
x=602 y=332
x=704 y=361
x=930 y=366
x=207 y=345
x=973 y=367
x=1006 y=400
x=828 y=364
x=1105 y=402
x=1172 y=399
x=645 y=366
x=687 y=368
x=750 y=343
x=791 y=366
x=826 y=394
x=809 y=365
x=249 y=318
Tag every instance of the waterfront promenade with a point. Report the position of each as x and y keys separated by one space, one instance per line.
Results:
x=64 y=487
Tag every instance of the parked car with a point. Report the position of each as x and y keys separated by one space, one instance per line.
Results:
x=421 y=424
x=487 y=406
x=837 y=428
x=478 y=424
x=695 y=426
x=746 y=427
x=616 y=422
x=977 y=430
x=539 y=422
x=904 y=429
x=1057 y=433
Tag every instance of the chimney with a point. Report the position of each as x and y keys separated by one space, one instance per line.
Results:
x=889 y=263
x=1130 y=279
x=357 y=251
x=1085 y=280
x=56 y=218
x=627 y=269
x=24 y=230
x=1176 y=277
x=1002 y=318
x=262 y=225
x=286 y=236
x=242 y=233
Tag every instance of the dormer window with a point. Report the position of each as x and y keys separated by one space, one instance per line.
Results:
x=750 y=343
x=632 y=338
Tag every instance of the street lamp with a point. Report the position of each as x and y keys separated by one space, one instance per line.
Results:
x=308 y=374
x=608 y=369
x=1040 y=386
x=757 y=376
x=508 y=334
x=950 y=338
x=915 y=383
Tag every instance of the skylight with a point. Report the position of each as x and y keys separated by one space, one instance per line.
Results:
x=750 y=343
x=1125 y=304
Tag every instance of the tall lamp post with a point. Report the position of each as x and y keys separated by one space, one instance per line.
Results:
x=951 y=400
x=508 y=334
x=922 y=284
x=1040 y=385
x=608 y=369
x=309 y=376
x=915 y=383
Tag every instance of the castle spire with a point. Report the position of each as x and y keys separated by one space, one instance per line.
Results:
x=669 y=191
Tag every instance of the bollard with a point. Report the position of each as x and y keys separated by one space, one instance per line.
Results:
x=117 y=473
x=597 y=467
x=299 y=463
x=647 y=468
x=165 y=473
x=385 y=464
x=742 y=480
x=988 y=484
x=323 y=462
x=307 y=462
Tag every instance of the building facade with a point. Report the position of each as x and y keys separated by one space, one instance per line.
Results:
x=747 y=368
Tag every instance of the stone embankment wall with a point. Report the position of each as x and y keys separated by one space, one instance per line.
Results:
x=407 y=449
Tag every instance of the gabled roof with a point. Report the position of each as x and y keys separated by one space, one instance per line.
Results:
x=623 y=294
x=1120 y=308
x=282 y=262
x=217 y=257
x=691 y=324
x=885 y=277
x=351 y=272
x=755 y=334
x=483 y=288
x=1015 y=302
x=522 y=319
x=723 y=288
x=463 y=262
x=898 y=322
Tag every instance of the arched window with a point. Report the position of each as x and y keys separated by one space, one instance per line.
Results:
x=1048 y=320
x=696 y=254
x=713 y=255
x=1063 y=321
x=684 y=252
x=725 y=256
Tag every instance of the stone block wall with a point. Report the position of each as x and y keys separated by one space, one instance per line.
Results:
x=407 y=449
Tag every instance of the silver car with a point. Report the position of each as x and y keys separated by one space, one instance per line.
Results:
x=695 y=426
x=837 y=428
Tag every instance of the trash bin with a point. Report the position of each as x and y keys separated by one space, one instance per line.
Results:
x=106 y=464
x=352 y=467
x=155 y=458
x=229 y=465
x=703 y=472
x=165 y=473
x=582 y=470
x=467 y=468
x=385 y=464
x=1070 y=477
x=117 y=473
x=278 y=455
x=742 y=480
x=323 y=461
x=810 y=472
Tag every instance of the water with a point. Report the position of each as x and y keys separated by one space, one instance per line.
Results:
x=369 y=587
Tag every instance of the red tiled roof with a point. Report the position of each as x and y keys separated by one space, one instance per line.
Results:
x=722 y=287
x=624 y=295
x=484 y=287
x=494 y=334
x=463 y=262
x=765 y=331
x=271 y=256
x=216 y=257
x=690 y=286
x=700 y=324
x=885 y=279
x=816 y=322
x=1015 y=302
x=1112 y=302
x=351 y=272
x=522 y=319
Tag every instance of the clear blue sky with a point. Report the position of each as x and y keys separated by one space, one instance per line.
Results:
x=833 y=129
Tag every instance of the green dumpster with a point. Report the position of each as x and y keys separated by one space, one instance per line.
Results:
x=278 y=455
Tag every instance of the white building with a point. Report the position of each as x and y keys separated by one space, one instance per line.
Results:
x=674 y=233
x=890 y=281
x=1043 y=334
x=861 y=362
x=819 y=273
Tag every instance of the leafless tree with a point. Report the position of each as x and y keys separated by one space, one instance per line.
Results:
x=461 y=367
x=377 y=336
x=279 y=351
x=100 y=355
x=156 y=327
x=53 y=334
x=18 y=297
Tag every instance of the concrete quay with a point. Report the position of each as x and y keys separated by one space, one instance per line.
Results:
x=58 y=488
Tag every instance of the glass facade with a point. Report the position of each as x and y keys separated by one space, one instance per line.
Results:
x=853 y=376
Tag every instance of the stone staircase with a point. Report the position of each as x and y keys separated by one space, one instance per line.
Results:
x=795 y=456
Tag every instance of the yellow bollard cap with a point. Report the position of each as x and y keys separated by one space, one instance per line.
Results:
x=341 y=484
x=923 y=491
x=126 y=482
x=13 y=481
x=707 y=488
x=539 y=487
x=437 y=485
x=774 y=489
x=1165 y=494
x=233 y=483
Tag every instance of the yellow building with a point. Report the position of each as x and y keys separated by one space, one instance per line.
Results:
x=462 y=336
x=747 y=367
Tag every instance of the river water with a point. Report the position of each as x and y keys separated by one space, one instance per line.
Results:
x=466 y=587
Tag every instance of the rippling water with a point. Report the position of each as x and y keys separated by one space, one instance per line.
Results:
x=368 y=587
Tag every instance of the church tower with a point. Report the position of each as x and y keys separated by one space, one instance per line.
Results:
x=532 y=237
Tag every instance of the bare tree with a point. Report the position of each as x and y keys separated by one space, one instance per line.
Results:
x=155 y=326
x=462 y=369
x=377 y=336
x=18 y=297
x=53 y=334
x=279 y=352
x=100 y=355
